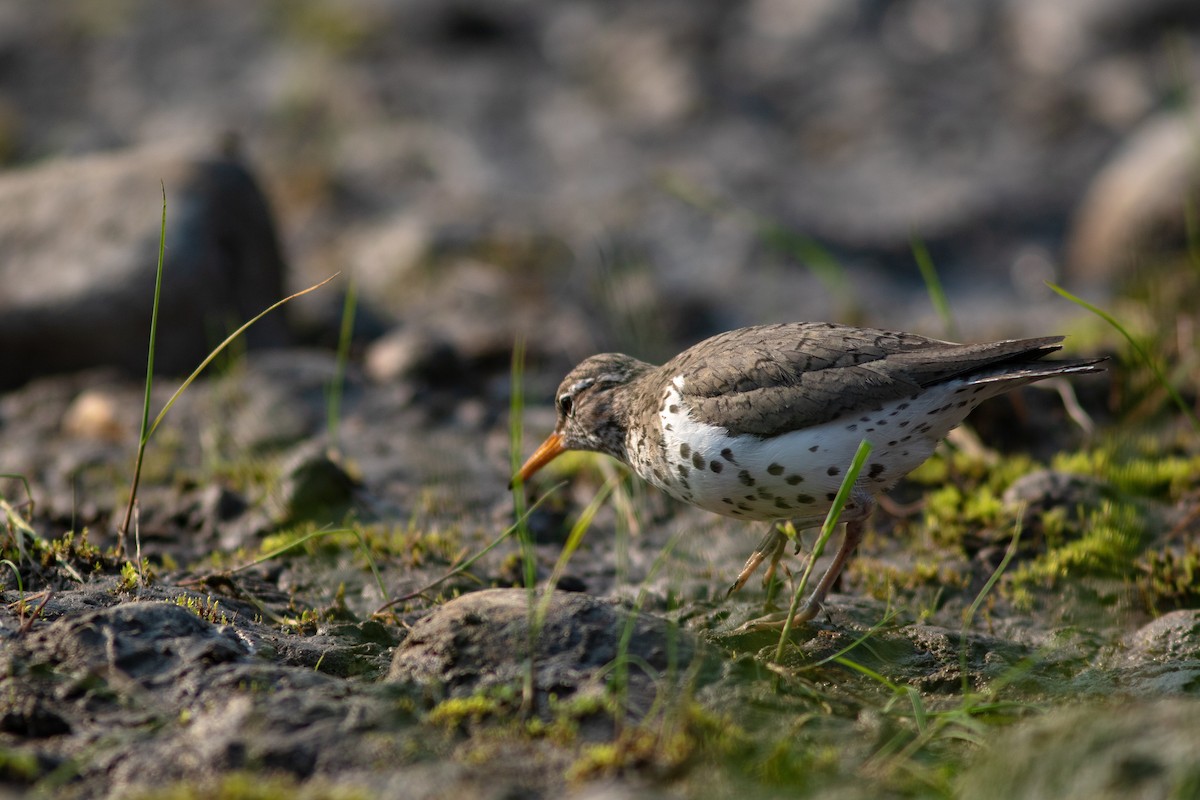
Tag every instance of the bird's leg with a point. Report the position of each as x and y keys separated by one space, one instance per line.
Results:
x=855 y=514
x=772 y=545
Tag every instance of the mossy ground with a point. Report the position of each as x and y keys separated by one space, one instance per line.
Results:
x=920 y=664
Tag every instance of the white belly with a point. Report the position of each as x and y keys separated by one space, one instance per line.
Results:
x=796 y=475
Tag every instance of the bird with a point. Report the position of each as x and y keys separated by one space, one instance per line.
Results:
x=761 y=423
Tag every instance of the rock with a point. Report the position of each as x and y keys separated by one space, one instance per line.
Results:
x=1099 y=752
x=154 y=643
x=314 y=486
x=1171 y=637
x=414 y=355
x=78 y=252
x=95 y=414
x=1137 y=203
x=480 y=640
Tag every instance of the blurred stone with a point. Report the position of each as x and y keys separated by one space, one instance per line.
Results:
x=1045 y=489
x=95 y=414
x=1136 y=204
x=78 y=253
x=1173 y=637
x=314 y=486
x=413 y=354
x=1106 y=751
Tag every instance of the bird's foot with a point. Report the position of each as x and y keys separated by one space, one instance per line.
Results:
x=772 y=547
x=752 y=563
x=777 y=620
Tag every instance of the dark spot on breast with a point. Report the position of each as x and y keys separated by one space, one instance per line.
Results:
x=727 y=501
x=852 y=426
x=742 y=507
x=805 y=499
x=794 y=479
x=727 y=454
x=977 y=390
x=833 y=471
x=746 y=478
x=775 y=469
x=904 y=424
x=683 y=472
x=864 y=419
x=902 y=406
x=750 y=497
x=876 y=470
x=673 y=408
x=813 y=449
x=685 y=450
x=893 y=443
x=960 y=404
x=831 y=496
x=881 y=422
x=716 y=466
x=658 y=475
x=697 y=461
x=668 y=427
x=765 y=494
x=779 y=503
x=906 y=438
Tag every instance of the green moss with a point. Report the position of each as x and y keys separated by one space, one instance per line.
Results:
x=683 y=734
x=255 y=785
x=1111 y=537
x=1150 y=474
x=18 y=766
x=408 y=542
x=1167 y=578
x=455 y=712
x=206 y=608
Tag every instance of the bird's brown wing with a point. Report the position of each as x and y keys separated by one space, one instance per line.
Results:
x=774 y=378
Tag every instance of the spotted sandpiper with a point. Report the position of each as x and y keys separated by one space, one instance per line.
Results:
x=760 y=423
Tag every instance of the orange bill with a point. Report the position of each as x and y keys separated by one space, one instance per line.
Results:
x=550 y=450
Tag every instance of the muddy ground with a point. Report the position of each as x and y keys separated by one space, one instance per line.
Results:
x=323 y=590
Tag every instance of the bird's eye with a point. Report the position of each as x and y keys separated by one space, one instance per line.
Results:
x=566 y=405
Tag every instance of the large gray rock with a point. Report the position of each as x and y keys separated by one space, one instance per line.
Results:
x=78 y=251
x=481 y=641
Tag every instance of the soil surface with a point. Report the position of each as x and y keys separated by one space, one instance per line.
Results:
x=326 y=588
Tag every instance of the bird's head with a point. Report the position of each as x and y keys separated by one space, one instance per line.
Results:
x=592 y=405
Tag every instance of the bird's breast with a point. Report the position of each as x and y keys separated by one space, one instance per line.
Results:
x=795 y=474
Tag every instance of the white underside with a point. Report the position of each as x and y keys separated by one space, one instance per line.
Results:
x=901 y=438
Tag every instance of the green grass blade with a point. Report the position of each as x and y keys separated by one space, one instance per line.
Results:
x=933 y=285
x=144 y=434
x=969 y=614
x=831 y=521
x=516 y=433
x=1159 y=375
x=229 y=339
x=158 y=274
x=345 y=337
x=459 y=569
x=870 y=673
x=14 y=476
x=20 y=583
x=574 y=538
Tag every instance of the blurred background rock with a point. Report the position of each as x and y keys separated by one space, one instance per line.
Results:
x=585 y=175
